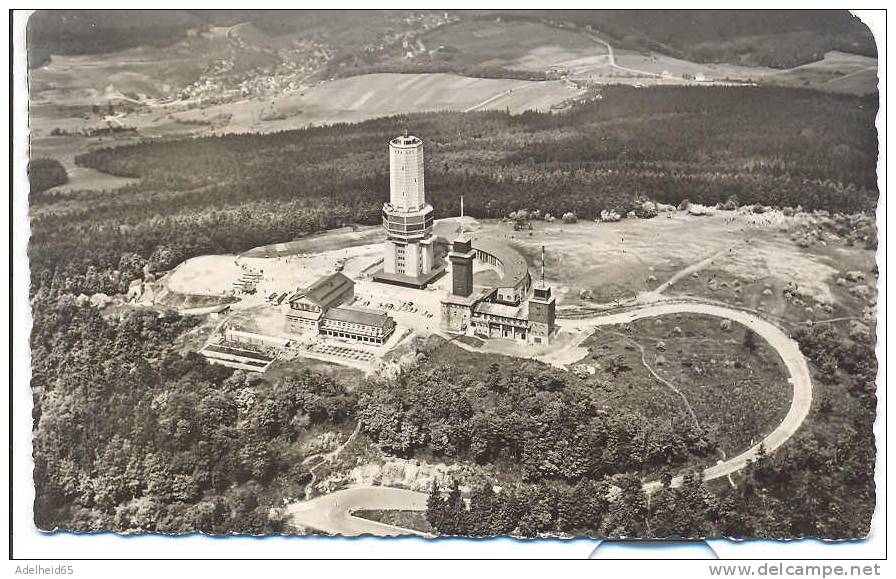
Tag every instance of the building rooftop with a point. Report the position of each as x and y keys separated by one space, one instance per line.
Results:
x=469 y=300
x=515 y=267
x=361 y=316
x=325 y=290
x=406 y=141
x=462 y=244
x=418 y=281
x=503 y=310
x=303 y=315
x=541 y=290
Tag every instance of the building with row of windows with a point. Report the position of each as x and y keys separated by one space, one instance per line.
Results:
x=323 y=308
x=359 y=324
x=307 y=306
x=513 y=308
x=501 y=311
x=408 y=252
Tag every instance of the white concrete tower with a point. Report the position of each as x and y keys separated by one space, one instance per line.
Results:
x=407 y=217
x=406 y=189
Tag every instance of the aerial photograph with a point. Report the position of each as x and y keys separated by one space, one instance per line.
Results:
x=537 y=274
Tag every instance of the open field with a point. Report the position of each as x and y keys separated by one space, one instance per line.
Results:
x=369 y=96
x=215 y=274
x=239 y=79
x=838 y=72
x=584 y=55
x=335 y=239
x=738 y=258
x=621 y=260
x=65 y=148
x=512 y=44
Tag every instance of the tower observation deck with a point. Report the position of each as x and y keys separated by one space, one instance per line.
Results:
x=407 y=218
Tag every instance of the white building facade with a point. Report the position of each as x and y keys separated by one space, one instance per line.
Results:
x=407 y=217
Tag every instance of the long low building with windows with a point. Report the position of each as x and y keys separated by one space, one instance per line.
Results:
x=323 y=308
x=359 y=324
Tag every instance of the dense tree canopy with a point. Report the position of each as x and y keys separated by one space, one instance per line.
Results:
x=132 y=436
x=546 y=421
x=796 y=492
x=44 y=173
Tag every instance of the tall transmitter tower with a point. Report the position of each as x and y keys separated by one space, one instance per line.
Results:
x=407 y=218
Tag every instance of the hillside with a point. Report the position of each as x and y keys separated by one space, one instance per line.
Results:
x=98 y=31
x=774 y=38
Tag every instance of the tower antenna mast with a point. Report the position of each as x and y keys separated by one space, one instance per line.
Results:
x=542 y=266
x=461 y=213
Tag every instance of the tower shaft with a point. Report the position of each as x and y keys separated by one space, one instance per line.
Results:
x=407 y=217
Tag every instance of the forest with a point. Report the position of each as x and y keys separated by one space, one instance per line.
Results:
x=540 y=423
x=774 y=146
x=134 y=436
x=773 y=38
x=97 y=31
x=44 y=173
x=570 y=466
x=771 y=500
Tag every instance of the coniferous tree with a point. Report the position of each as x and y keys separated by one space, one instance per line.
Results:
x=435 y=508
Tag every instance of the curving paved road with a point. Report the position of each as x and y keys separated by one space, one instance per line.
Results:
x=332 y=513
x=786 y=347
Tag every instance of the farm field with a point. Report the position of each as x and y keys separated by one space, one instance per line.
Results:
x=364 y=97
x=237 y=79
x=837 y=72
x=348 y=100
x=512 y=44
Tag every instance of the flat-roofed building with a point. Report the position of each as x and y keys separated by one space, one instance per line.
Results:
x=542 y=314
x=510 y=265
x=359 y=324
